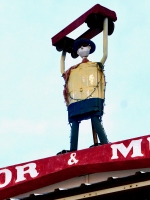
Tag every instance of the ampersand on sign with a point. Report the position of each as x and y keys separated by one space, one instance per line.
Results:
x=72 y=159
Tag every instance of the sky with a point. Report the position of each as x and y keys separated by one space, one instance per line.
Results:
x=33 y=115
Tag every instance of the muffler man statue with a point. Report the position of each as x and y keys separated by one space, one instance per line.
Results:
x=84 y=92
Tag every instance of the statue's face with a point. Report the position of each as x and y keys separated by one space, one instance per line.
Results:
x=84 y=51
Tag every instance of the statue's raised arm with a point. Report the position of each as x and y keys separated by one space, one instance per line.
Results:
x=62 y=62
x=105 y=41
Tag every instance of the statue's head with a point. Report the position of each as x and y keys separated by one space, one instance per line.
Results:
x=84 y=47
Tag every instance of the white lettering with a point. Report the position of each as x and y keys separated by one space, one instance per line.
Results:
x=135 y=144
x=149 y=141
x=21 y=171
x=72 y=159
x=8 y=177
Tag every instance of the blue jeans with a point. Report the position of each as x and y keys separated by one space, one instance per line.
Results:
x=75 y=132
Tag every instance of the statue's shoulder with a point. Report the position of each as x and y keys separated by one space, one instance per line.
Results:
x=66 y=74
x=99 y=65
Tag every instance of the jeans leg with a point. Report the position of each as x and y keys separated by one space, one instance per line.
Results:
x=74 y=136
x=99 y=130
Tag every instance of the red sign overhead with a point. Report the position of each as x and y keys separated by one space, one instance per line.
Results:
x=94 y=18
x=123 y=155
x=75 y=24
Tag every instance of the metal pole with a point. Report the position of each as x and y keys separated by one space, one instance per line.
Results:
x=94 y=134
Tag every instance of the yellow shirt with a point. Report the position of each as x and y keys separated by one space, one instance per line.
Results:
x=86 y=81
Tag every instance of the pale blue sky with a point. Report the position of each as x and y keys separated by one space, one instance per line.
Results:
x=33 y=116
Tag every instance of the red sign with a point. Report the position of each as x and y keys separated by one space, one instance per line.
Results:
x=96 y=14
x=95 y=9
x=123 y=155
